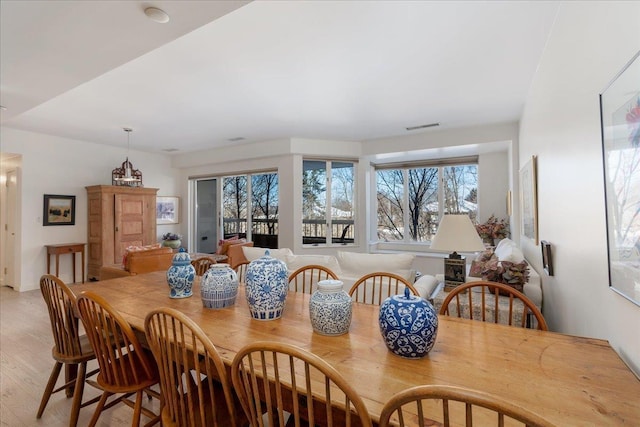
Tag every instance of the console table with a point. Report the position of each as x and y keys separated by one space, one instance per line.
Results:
x=65 y=248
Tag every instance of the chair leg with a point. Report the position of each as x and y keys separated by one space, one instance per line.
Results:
x=77 y=394
x=137 y=409
x=99 y=408
x=55 y=372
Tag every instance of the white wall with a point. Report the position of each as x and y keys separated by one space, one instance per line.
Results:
x=589 y=44
x=52 y=165
x=493 y=184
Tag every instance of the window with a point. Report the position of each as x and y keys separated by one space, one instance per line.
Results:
x=264 y=210
x=412 y=198
x=261 y=226
x=327 y=202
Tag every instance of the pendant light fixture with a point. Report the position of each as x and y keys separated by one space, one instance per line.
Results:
x=126 y=175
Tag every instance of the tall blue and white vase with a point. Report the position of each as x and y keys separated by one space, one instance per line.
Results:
x=266 y=287
x=330 y=308
x=219 y=286
x=180 y=275
x=409 y=325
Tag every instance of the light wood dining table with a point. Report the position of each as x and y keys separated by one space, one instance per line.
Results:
x=569 y=380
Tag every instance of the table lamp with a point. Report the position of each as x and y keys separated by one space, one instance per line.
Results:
x=456 y=232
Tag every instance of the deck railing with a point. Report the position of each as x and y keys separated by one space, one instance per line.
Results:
x=313 y=231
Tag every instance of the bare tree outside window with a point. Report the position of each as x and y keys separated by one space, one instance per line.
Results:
x=423 y=203
x=341 y=201
x=327 y=202
x=414 y=195
x=459 y=183
x=390 y=196
x=234 y=190
x=264 y=208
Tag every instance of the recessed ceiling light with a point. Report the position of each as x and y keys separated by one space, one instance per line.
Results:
x=157 y=15
x=430 y=125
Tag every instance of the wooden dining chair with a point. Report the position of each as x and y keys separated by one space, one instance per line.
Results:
x=202 y=264
x=195 y=388
x=70 y=349
x=478 y=301
x=125 y=367
x=283 y=383
x=444 y=405
x=241 y=270
x=374 y=288
x=306 y=278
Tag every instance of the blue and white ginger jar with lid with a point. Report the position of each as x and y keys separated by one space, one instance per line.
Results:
x=180 y=275
x=408 y=324
x=266 y=287
x=330 y=308
x=219 y=286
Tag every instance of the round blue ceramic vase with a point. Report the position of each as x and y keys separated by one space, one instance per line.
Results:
x=266 y=287
x=180 y=275
x=408 y=324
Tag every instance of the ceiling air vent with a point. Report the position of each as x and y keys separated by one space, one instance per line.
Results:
x=430 y=125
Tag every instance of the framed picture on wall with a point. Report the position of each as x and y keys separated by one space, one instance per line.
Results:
x=529 y=200
x=59 y=210
x=620 y=126
x=167 y=210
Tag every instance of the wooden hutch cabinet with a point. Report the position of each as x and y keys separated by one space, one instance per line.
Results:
x=119 y=217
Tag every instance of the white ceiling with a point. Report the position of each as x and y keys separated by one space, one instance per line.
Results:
x=341 y=70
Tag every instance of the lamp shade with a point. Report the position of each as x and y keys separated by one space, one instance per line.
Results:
x=457 y=233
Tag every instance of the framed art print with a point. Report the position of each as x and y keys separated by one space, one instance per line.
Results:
x=59 y=210
x=620 y=127
x=167 y=210
x=529 y=200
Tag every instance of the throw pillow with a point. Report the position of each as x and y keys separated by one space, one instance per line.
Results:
x=358 y=264
x=507 y=250
x=223 y=245
x=477 y=265
x=509 y=273
x=295 y=262
x=252 y=253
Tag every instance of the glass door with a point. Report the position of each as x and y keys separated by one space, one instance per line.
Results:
x=206 y=227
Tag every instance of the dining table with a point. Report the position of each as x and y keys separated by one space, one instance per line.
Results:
x=569 y=380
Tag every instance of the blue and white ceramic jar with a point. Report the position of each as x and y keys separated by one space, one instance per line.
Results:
x=219 y=286
x=330 y=308
x=180 y=275
x=408 y=324
x=266 y=287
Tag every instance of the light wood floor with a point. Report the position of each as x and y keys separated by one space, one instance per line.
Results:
x=25 y=366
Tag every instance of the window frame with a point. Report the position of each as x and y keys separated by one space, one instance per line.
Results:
x=440 y=164
x=329 y=221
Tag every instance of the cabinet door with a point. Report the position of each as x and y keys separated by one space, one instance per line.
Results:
x=130 y=223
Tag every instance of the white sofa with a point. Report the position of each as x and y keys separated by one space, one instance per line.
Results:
x=350 y=266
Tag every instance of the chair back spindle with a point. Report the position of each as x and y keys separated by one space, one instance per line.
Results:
x=374 y=288
x=306 y=278
x=275 y=379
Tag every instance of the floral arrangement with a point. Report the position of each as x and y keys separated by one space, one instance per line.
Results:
x=493 y=228
x=171 y=236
